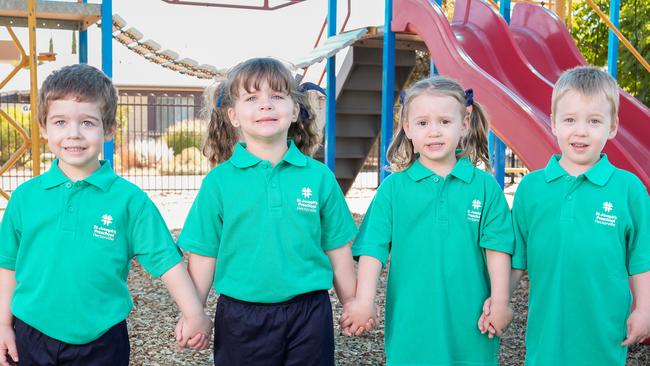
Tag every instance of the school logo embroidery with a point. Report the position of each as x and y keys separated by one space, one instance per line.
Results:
x=306 y=204
x=607 y=206
x=107 y=219
x=306 y=192
x=474 y=214
x=606 y=218
x=103 y=232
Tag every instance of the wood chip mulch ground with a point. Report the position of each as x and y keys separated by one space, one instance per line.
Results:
x=152 y=322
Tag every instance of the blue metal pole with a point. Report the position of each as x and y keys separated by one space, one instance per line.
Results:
x=107 y=61
x=83 y=44
x=387 y=90
x=330 y=98
x=612 y=45
x=496 y=147
x=432 y=70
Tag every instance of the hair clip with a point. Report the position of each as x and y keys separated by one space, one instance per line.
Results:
x=221 y=89
x=304 y=114
x=469 y=97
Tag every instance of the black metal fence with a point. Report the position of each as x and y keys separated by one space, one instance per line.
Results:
x=158 y=144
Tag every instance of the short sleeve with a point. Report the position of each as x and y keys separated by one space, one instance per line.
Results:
x=496 y=224
x=337 y=224
x=375 y=234
x=520 y=228
x=203 y=226
x=10 y=233
x=151 y=242
x=638 y=235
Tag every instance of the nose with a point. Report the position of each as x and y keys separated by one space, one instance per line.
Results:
x=582 y=128
x=434 y=129
x=265 y=103
x=73 y=130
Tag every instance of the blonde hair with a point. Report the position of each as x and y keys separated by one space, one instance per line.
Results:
x=588 y=81
x=222 y=136
x=401 y=153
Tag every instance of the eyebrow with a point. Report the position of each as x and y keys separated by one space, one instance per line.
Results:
x=84 y=116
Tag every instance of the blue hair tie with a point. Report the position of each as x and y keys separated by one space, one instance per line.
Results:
x=310 y=86
x=306 y=86
x=469 y=97
x=402 y=96
x=221 y=89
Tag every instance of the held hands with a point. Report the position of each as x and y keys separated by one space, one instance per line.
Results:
x=8 y=351
x=638 y=327
x=358 y=317
x=194 y=331
x=495 y=318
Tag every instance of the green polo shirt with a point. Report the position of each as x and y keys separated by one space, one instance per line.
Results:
x=580 y=237
x=436 y=230
x=71 y=244
x=268 y=226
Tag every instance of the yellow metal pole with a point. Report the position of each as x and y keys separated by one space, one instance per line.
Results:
x=569 y=19
x=560 y=10
x=36 y=140
x=620 y=35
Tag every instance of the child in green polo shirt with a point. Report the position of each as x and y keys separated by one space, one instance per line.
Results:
x=581 y=228
x=447 y=228
x=68 y=237
x=269 y=227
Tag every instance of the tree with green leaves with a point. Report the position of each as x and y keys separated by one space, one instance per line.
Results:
x=591 y=33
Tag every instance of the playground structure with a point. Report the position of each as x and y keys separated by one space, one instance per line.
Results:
x=511 y=68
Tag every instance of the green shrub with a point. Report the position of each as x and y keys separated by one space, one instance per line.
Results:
x=10 y=139
x=185 y=134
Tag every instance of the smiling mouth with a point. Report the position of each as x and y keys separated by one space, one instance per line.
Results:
x=74 y=149
x=576 y=145
x=266 y=120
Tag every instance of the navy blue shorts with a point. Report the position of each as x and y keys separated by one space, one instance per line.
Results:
x=37 y=349
x=299 y=331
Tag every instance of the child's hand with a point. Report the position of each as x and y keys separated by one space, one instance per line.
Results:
x=483 y=324
x=358 y=317
x=194 y=331
x=8 y=351
x=638 y=327
x=499 y=317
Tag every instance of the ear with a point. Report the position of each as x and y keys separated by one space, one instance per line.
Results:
x=407 y=129
x=43 y=129
x=553 y=125
x=232 y=117
x=614 y=129
x=110 y=133
x=296 y=112
x=464 y=128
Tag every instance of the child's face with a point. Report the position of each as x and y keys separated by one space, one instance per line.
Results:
x=435 y=125
x=263 y=115
x=75 y=134
x=582 y=125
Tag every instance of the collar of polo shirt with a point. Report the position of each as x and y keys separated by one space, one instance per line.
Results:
x=242 y=158
x=598 y=174
x=102 y=178
x=463 y=170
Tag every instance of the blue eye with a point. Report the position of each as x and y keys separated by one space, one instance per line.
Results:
x=251 y=98
x=59 y=123
x=87 y=124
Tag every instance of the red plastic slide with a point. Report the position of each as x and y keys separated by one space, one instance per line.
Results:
x=550 y=49
x=517 y=122
x=479 y=51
